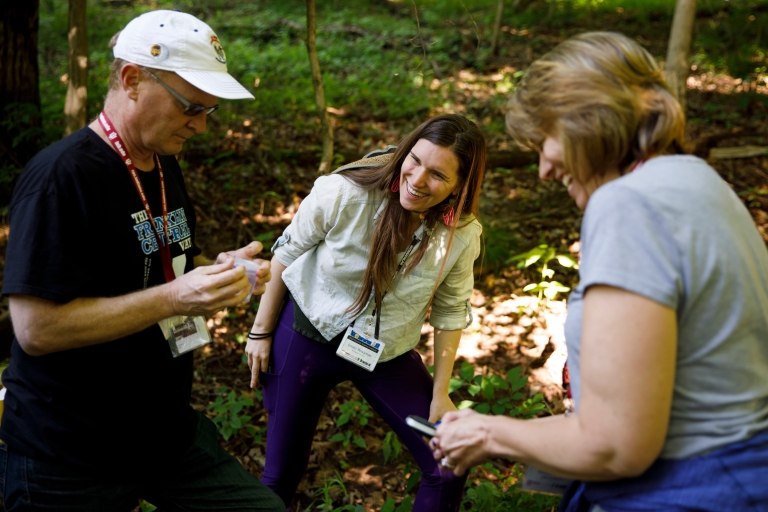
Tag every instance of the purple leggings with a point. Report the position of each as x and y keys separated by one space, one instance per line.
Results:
x=305 y=371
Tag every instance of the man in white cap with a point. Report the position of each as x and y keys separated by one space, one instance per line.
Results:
x=108 y=294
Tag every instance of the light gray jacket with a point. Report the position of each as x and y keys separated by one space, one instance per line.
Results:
x=326 y=249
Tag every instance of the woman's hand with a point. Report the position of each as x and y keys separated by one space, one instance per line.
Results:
x=462 y=440
x=258 y=357
x=441 y=404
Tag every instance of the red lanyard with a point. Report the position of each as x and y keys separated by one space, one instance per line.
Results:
x=163 y=244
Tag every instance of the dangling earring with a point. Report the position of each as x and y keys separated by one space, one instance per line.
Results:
x=449 y=214
x=395 y=185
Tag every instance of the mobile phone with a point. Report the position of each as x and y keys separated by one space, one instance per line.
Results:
x=421 y=425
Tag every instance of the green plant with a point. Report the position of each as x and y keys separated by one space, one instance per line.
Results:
x=227 y=413
x=543 y=255
x=358 y=411
x=405 y=506
x=502 y=492
x=412 y=477
x=514 y=403
x=391 y=447
x=327 y=492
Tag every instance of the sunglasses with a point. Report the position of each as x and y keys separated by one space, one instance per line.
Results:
x=190 y=109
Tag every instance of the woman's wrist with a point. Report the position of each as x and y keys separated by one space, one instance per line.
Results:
x=492 y=445
x=260 y=326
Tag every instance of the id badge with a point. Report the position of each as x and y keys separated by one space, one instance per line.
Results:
x=187 y=333
x=537 y=480
x=360 y=349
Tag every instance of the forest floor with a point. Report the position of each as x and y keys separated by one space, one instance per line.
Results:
x=248 y=178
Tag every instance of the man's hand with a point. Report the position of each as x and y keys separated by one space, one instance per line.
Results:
x=263 y=274
x=207 y=289
x=247 y=252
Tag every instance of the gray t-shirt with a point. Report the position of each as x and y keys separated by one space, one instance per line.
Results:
x=674 y=232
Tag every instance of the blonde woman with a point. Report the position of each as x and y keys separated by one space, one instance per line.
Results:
x=667 y=332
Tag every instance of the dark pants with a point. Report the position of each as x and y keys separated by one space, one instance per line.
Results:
x=205 y=478
x=305 y=371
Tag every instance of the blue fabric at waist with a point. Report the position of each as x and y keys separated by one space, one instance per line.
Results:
x=732 y=478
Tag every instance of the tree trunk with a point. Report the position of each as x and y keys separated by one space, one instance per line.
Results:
x=497 y=28
x=77 y=85
x=317 y=84
x=679 y=46
x=19 y=90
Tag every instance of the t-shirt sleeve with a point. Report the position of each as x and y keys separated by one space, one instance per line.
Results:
x=627 y=244
x=50 y=239
x=317 y=214
x=450 y=307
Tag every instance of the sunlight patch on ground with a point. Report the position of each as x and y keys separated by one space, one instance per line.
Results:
x=724 y=84
x=525 y=328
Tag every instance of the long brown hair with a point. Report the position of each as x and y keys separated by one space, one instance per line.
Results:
x=464 y=139
x=604 y=96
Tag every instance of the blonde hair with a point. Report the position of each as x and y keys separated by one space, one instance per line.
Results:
x=604 y=97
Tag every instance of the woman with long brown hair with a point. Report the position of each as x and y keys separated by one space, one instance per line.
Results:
x=667 y=331
x=371 y=249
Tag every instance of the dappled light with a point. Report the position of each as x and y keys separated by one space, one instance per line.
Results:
x=383 y=76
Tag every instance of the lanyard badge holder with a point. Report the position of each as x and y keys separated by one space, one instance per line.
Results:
x=359 y=347
x=183 y=333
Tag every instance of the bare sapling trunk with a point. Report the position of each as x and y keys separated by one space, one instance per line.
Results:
x=317 y=84
x=497 y=28
x=679 y=47
x=77 y=83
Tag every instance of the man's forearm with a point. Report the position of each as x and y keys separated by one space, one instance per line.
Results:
x=43 y=326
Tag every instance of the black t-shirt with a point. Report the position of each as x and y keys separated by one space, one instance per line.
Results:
x=79 y=229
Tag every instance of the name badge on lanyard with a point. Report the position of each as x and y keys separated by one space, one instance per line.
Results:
x=360 y=349
x=183 y=333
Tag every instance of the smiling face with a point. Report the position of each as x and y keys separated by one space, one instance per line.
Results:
x=552 y=167
x=429 y=174
x=165 y=127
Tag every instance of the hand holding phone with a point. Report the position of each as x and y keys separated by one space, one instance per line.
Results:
x=421 y=425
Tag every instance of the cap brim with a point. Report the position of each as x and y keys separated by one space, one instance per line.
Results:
x=221 y=85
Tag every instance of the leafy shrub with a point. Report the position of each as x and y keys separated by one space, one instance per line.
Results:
x=357 y=411
x=513 y=402
x=543 y=255
x=227 y=413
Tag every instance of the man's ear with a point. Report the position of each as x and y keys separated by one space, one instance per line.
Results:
x=130 y=76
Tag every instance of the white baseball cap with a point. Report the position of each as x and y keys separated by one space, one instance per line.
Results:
x=179 y=42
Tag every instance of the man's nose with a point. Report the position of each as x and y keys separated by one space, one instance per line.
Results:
x=198 y=123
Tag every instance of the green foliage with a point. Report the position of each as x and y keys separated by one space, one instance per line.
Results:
x=502 y=493
x=391 y=447
x=228 y=415
x=542 y=256
x=352 y=412
x=147 y=507
x=512 y=401
x=412 y=478
x=498 y=243
x=330 y=488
